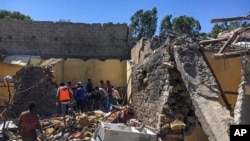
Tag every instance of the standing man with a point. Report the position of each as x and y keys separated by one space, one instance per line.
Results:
x=103 y=85
x=81 y=98
x=89 y=89
x=103 y=99
x=110 y=97
x=97 y=93
x=116 y=95
x=28 y=122
x=89 y=86
x=64 y=96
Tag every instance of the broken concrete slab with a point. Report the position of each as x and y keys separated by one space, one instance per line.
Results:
x=214 y=119
x=242 y=106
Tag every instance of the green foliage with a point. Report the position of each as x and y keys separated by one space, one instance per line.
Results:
x=216 y=30
x=203 y=35
x=187 y=25
x=4 y=14
x=143 y=24
x=166 y=25
x=181 y=24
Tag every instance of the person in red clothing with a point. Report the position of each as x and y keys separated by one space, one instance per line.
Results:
x=28 y=122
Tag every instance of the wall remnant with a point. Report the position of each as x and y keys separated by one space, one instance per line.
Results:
x=241 y=111
x=160 y=96
x=174 y=88
x=34 y=83
x=65 y=39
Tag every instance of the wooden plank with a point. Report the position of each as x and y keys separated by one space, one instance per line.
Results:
x=212 y=41
x=229 y=19
x=227 y=43
x=230 y=54
x=231 y=38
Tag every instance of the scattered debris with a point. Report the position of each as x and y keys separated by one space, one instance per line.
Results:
x=88 y=126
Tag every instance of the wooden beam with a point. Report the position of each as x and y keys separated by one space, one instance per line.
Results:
x=229 y=19
x=212 y=41
x=227 y=43
x=230 y=54
x=232 y=37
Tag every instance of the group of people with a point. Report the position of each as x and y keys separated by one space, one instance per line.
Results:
x=89 y=98
x=99 y=97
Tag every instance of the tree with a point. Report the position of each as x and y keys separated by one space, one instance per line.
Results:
x=217 y=28
x=181 y=24
x=4 y=14
x=166 y=25
x=143 y=24
x=187 y=25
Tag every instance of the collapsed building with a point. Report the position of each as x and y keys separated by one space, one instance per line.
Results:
x=172 y=82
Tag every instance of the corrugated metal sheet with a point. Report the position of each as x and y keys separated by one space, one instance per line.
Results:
x=22 y=60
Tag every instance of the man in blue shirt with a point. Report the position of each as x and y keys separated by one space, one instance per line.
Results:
x=81 y=98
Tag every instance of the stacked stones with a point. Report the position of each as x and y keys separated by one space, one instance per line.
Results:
x=148 y=80
x=34 y=83
x=160 y=96
x=177 y=111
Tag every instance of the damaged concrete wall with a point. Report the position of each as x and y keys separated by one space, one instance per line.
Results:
x=64 y=39
x=241 y=111
x=203 y=89
x=34 y=83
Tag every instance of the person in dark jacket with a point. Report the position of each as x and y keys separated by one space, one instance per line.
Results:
x=89 y=86
x=97 y=94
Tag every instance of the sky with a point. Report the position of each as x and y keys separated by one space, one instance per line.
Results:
x=120 y=11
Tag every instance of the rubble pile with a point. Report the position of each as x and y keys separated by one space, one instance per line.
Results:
x=81 y=127
x=78 y=126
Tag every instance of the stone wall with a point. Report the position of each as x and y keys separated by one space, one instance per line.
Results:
x=34 y=83
x=160 y=96
x=64 y=39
